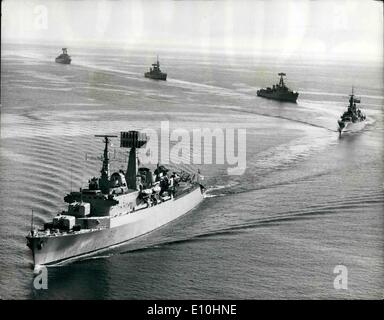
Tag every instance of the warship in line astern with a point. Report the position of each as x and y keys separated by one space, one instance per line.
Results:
x=155 y=72
x=115 y=208
x=353 y=118
x=63 y=58
x=279 y=91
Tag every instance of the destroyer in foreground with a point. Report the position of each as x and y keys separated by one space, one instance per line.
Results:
x=279 y=91
x=63 y=58
x=352 y=119
x=155 y=72
x=115 y=208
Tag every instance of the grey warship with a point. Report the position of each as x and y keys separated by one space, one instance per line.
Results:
x=353 y=118
x=115 y=208
x=279 y=91
x=63 y=58
x=155 y=72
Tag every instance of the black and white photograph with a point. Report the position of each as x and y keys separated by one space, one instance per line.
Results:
x=192 y=150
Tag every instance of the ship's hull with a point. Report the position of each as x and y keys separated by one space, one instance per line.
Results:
x=156 y=76
x=123 y=228
x=63 y=61
x=280 y=96
x=349 y=126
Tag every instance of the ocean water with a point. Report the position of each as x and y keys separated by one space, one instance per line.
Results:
x=307 y=201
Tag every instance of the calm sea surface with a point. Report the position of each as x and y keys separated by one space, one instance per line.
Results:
x=308 y=200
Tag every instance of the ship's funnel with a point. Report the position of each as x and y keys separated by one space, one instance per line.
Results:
x=132 y=140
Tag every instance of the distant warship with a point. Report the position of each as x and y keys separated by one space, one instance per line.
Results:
x=353 y=118
x=115 y=208
x=63 y=58
x=155 y=72
x=279 y=91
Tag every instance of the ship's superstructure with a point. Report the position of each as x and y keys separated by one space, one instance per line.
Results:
x=279 y=91
x=115 y=207
x=155 y=72
x=63 y=58
x=353 y=116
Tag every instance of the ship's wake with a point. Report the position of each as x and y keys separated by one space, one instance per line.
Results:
x=347 y=206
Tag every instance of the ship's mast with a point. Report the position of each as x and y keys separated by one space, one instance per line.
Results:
x=32 y=221
x=352 y=99
x=281 y=83
x=132 y=140
x=104 y=178
x=156 y=65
